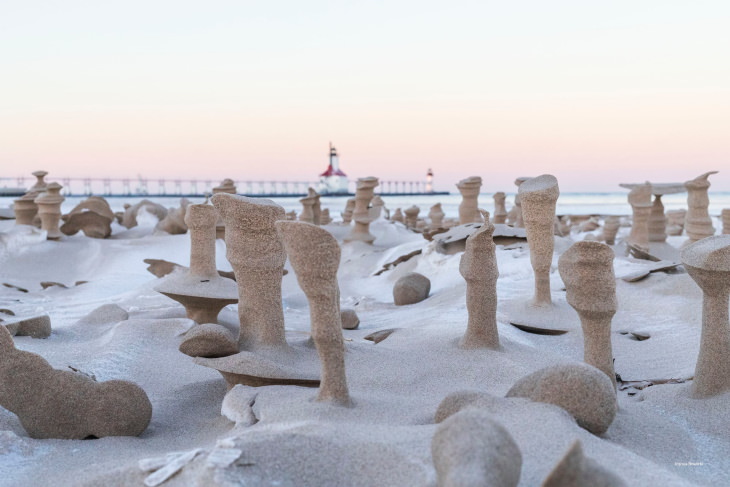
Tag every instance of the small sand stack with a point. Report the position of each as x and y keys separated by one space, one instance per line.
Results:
x=657 y=221
x=25 y=208
x=587 y=271
x=349 y=209
x=307 y=214
x=363 y=195
x=469 y=207
x=412 y=217
x=478 y=266
x=725 y=216
x=229 y=187
x=698 y=223
x=324 y=217
x=538 y=197
x=436 y=215
x=675 y=222
x=518 y=217
x=640 y=201
x=398 y=216
x=500 y=211
x=610 y=229
x=49 y=210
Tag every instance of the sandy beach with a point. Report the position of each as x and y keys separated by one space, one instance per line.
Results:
x=660 y=435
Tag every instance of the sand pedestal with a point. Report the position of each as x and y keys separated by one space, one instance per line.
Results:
x=500 y=211
x=708 y=263
x=398 y=216
x=201 y=290
x=725 y=216
x=349 y=209
x=587 y=271
x=641 y=206
x=436 y=215
x=25 y=208
x=478 y=266
x=698 y=223
x=49 y=210
x=469 y=207
x=518 y=217
x=538 y=197
x=363 y=194
x=40 y=183
x=610 y=229
x=412 y=217
x=315 y=256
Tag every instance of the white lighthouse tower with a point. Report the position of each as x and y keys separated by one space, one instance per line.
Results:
x=333 y=180
x=429 y=181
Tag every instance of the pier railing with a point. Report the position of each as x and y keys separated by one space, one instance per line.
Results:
x=141 y=186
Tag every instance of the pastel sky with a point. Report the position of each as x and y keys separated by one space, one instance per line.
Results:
x=593 y=92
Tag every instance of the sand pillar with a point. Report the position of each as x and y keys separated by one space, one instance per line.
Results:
x=201 y=222
x=518 y=217
x=725 y=215
x=49 y=209
x=40 y=183
x=469 y=207
x=315 y=257
x=398 y=216
x=708 y=263
x=436 y=215
x=478 y=266
x=307 y=214
x=361 y=215
x=229 y=187
x=349 y=209
x=412 y=216
x=610 y=229
x=698 y=223
x=657 y=221
x=25 y=208
x=538 y=197
x=587 y=271
x=500 y=211
x=640 y=201
x=257 y=257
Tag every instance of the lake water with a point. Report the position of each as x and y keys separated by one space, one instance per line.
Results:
x=568 y=203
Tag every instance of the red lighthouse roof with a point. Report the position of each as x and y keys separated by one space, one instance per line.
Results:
x=332 y=172
x=334 y=168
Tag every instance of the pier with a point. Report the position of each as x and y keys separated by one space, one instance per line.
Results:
x=141 y=187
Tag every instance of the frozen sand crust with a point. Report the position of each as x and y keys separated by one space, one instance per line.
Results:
x=187 y=398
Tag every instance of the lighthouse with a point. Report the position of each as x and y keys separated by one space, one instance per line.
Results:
x=333 y=180
x=429 y=181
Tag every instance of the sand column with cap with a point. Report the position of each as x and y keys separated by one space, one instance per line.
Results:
x=49 y=210
x=257 y=256
x=500 y=211
x=641 y=206
x=538 y=197
x=698 y=223
x=469 y=207
x=478 y=266
x=361 y=215
x=587 y=271
x=708 y=263
x=315 y=257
